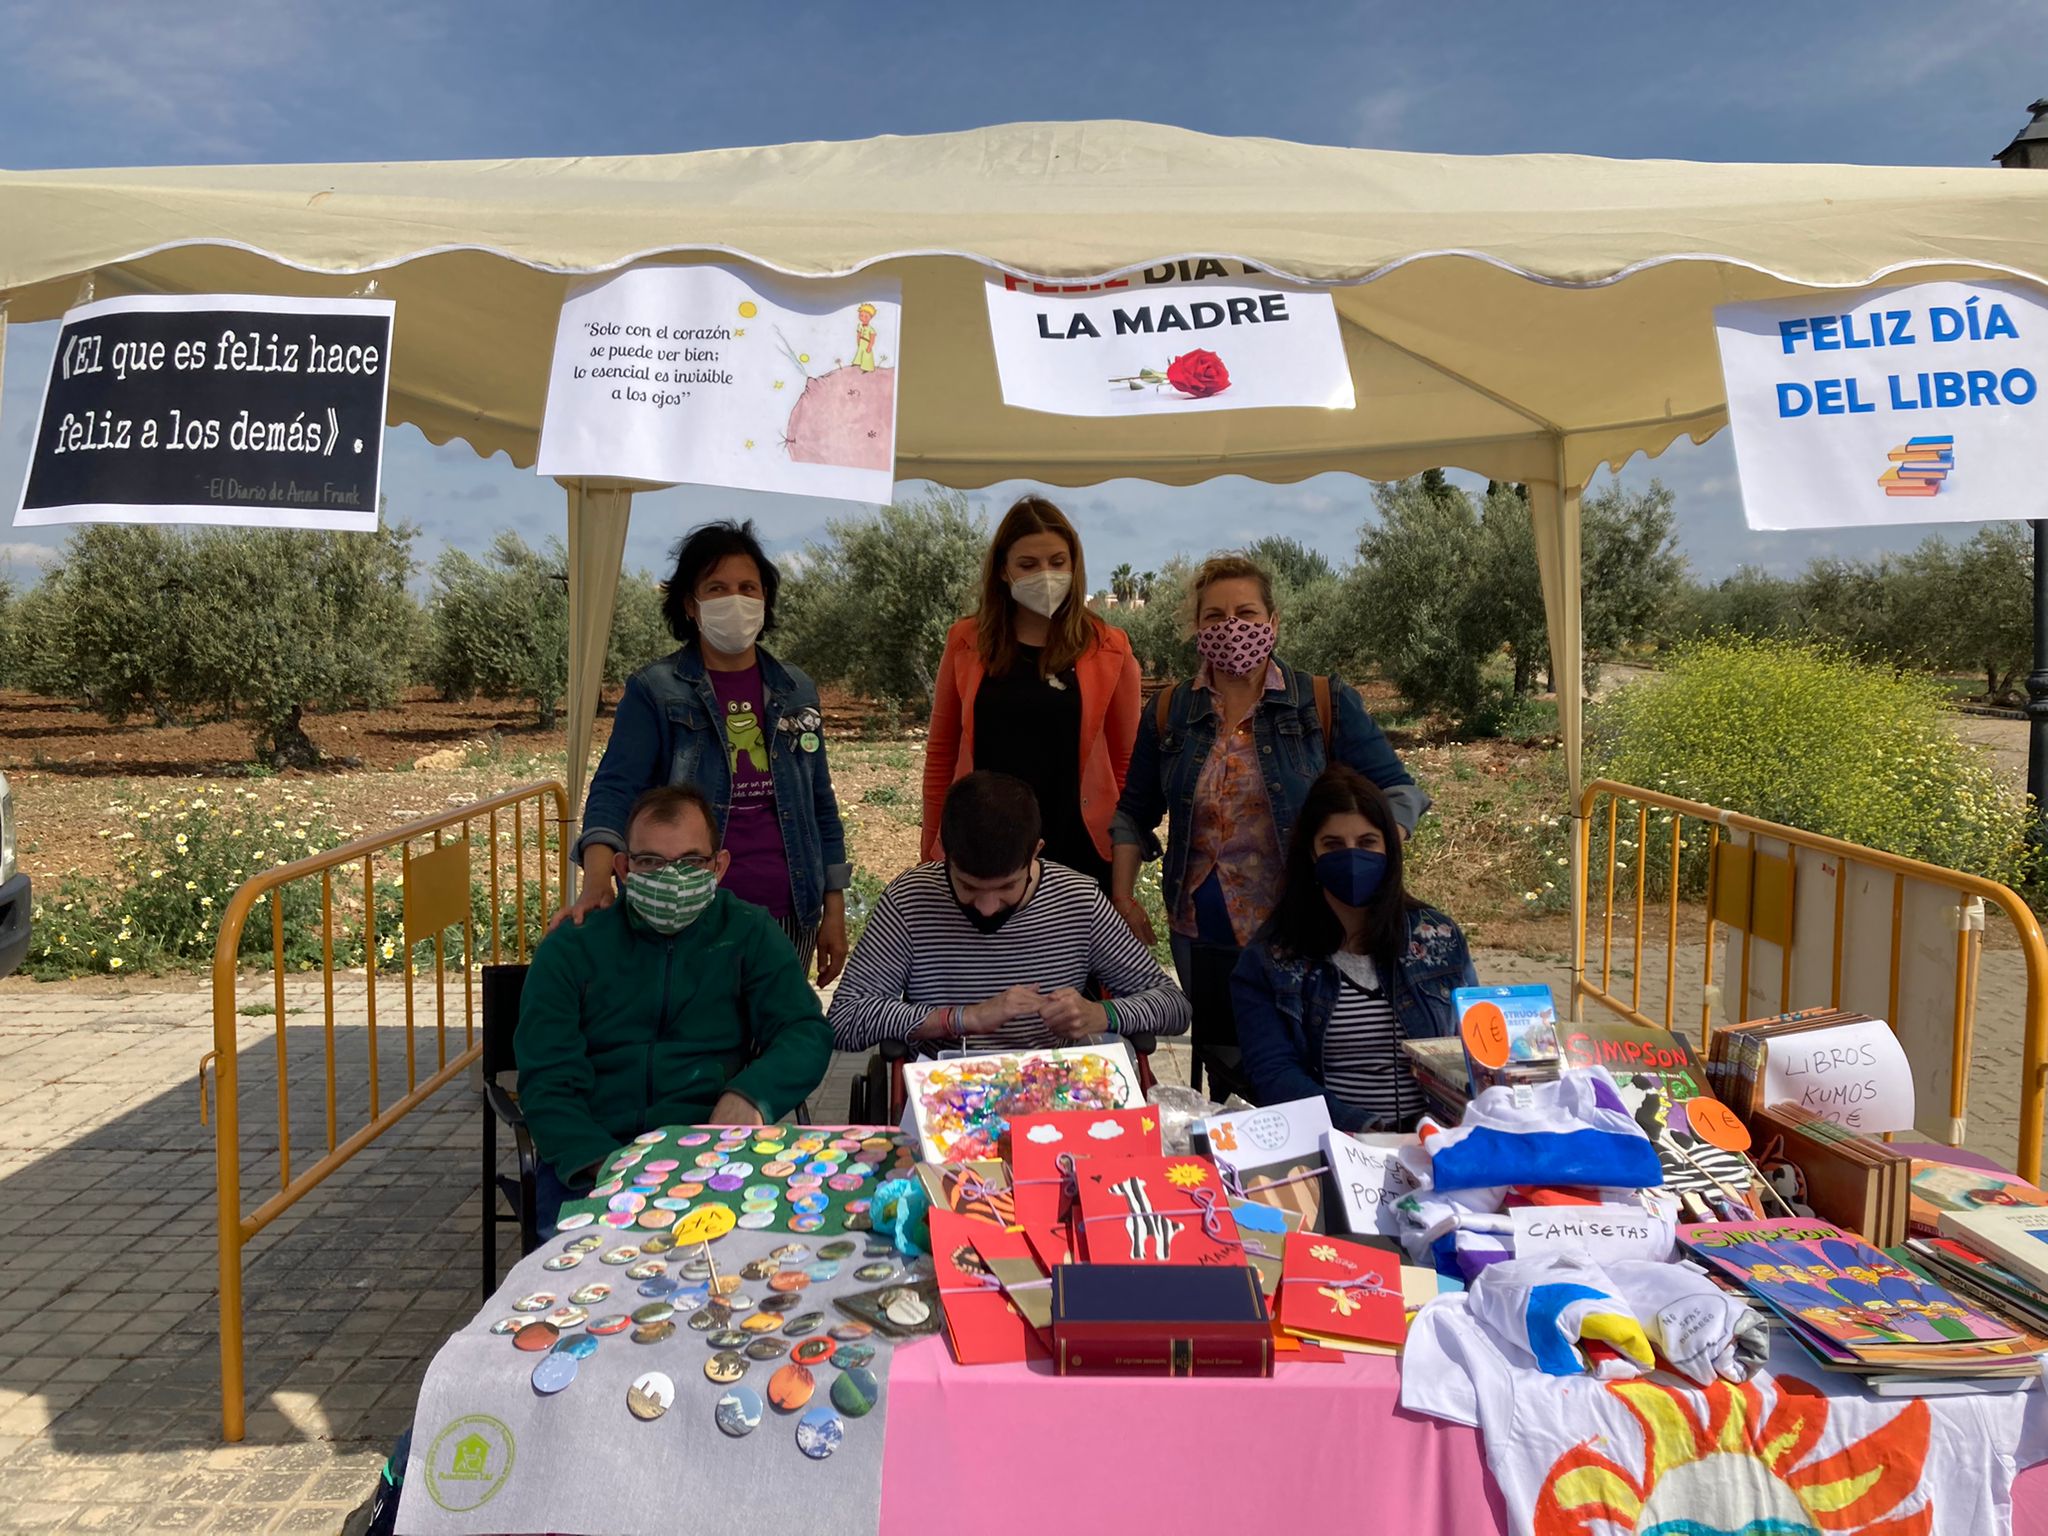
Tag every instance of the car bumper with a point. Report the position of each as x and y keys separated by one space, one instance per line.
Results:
x=14 y=913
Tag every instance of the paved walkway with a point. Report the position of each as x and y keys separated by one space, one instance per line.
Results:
x=109 y=1384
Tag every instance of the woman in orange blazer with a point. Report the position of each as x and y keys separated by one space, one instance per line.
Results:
x=1037 y=686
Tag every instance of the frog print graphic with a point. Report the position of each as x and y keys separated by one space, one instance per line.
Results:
x=743 y=735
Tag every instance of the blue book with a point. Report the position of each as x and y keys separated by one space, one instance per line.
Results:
x=1529 y=1015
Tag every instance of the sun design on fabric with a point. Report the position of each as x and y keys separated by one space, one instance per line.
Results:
x=1740 y=1470
x=1186 y=1175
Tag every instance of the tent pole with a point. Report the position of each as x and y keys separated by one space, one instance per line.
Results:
x=1555 y=509
x=599 y=512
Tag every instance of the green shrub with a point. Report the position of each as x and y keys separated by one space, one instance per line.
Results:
x=1806 y=736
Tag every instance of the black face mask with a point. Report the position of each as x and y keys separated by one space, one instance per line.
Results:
x=984 y=922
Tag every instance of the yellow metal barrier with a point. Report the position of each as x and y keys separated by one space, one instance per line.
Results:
x=438 y=893
x=1753 y=894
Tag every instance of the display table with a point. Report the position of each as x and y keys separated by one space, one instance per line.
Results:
x=1219 y=1455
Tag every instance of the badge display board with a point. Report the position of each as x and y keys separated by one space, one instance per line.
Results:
x=622 y=1381
x=804 y=1180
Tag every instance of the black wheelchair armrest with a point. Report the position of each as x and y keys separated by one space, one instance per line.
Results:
x=504 y=1104
x=894 y=1050
x=1144 y=1045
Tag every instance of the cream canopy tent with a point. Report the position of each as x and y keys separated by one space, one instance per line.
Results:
x=1525 y=317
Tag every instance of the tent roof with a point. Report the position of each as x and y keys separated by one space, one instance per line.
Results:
x=1492 y=305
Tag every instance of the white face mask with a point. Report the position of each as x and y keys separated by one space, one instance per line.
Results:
x=730 y=624
x=1042 y=591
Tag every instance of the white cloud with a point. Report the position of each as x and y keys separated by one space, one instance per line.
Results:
x=1044 y=1135
x=1105 y=1130
x=27 y=557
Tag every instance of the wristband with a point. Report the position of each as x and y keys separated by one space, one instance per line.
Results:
x=1109 y=1008
x=959 y=1023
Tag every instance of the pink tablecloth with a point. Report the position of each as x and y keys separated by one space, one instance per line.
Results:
x=1013 y=1450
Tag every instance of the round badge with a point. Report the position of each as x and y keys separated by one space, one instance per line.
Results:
x=627 y=1202
x=726 y=1366
x=875 y=1274
x=647 y=1269
x=535 y=1337
x=804 y=1183
x=726 y=1338
x=657 y=1242
x=813 y=1351
x=626 y=1255
x=761 y=1322
x=757 y=1221
x=789 y=1280
x=606 y=1191
x=726 y=1183
x=766 y=1149
x=738 y=1412
x=843 y=1182
x=709 y=1159
x=712 y=1315
x=819 y=1432
x=658 y=1289
x=654 y=1312
x=505 y=1325
x=589 y=1242
x=590 y=1295
x=689 y=1189
x=539 y=1301
x=649 y=1138
x=617 y=1219
x=840 y=1248
x=654 y=1219
x=856 y=1392
x=688 y=1300
x=693 y=1139
x=653 y=1333
x=857 y=1221
x=781 y=1301
x=762 y=1192
x=791 y=1387
x=757 y=1207
x=809 y=1222
x=663 y=1165
x=810 y=1203
x=703 y=1225
x=581 y=1345
x=605 y=1327
x=846 y=1333
x=725 y=1285
x=650 y=1396
x=740 y=1302
x=741 y=1170
x=779 y=1170
x=803 y=1323
x=908 y=1311
x=852 y=1355
x=789 y=1253
x=822 y=1271
x=554 y=1373
x=575 y=1219
x=760 y=1269
x=766 y=1349
x=698 y=1268
x=568 y=1317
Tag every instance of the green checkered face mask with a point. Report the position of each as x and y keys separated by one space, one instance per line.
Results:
x=669 y=900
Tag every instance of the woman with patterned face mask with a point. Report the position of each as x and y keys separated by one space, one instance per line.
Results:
x=1227 y=759
x=745 y=728
x=1036 y=686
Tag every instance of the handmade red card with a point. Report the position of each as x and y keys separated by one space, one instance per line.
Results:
x=983 y=1325
x=1044 y=1151
x=1344 y=1290
x=1156 y=1210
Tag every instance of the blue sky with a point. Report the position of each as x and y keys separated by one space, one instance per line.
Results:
x=129 y=82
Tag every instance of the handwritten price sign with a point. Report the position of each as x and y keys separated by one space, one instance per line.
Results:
x=1716 y=1124
x=1485 y=1032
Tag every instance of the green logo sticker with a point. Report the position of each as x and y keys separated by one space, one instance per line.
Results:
x=469 y=1463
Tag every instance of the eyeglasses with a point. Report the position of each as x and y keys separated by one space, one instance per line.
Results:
x=654 y=863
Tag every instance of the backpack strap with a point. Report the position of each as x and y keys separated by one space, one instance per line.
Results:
x=1321 y=685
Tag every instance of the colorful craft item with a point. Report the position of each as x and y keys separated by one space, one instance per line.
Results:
x=984 y=1325
x=1342 y=1291
x=1047 y=1150
x=1156 y=1211
x=961 y=1107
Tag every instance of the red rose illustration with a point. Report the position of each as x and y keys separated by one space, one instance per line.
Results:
x=1198 y=374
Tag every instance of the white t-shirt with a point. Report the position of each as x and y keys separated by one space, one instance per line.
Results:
x=1578 y=1457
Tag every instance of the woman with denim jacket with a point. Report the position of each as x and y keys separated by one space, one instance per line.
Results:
x=723 y=714
x=1349 y=966
x=1228 y=767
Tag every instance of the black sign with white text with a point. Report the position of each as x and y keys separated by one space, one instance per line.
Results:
x=214 y=408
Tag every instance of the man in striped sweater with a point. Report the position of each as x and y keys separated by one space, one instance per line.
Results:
x=996 y=948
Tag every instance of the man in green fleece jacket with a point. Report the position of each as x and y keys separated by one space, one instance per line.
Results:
x=679 y=1005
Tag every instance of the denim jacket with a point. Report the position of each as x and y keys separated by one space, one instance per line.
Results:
x=1166 y=765
x=668 y=730
x=1283 y=1008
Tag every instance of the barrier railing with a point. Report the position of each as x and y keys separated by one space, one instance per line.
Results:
x=435 y=890
x=1756 y=896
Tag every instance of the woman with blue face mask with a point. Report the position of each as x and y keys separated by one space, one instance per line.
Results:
x=1348 y=966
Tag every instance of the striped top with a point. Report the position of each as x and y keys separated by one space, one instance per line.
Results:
x=1363 y=1064
x=919 y=952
